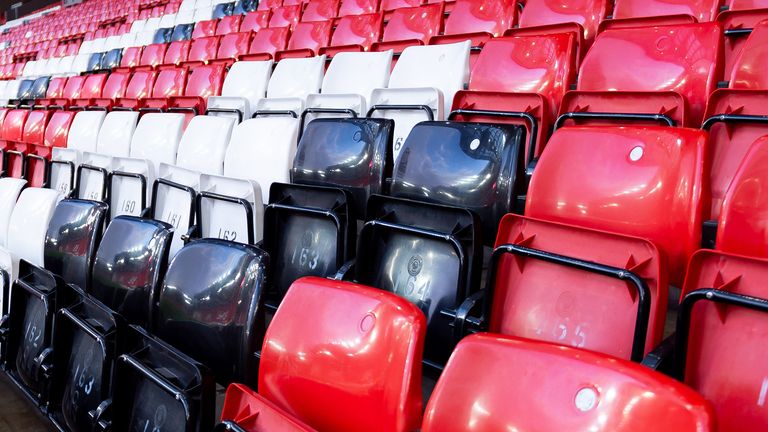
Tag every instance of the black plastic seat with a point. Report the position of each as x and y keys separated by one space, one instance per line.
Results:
x=162 y=35
x=242 y=7
x=308 y=231
x=112 y=58
x=210 y=306
x=478 y=166
x=182 y=32
x=39 y=87
x=160 y=389
x=25 y=89
x=71 y=240
x=129 y=266
x=349 y=153
x=223 y=9
x=427 y=253
x=94 y=62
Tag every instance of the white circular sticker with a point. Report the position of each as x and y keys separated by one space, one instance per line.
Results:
x=586 y=399
x=636 y=154
x=474 y=144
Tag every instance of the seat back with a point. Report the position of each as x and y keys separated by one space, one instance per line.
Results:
x=170 y=82
x=320 y=10
x=588 y=14
x=414 y=24
x=310 y=36
x=182 y=32
x=131 y=57
x=234 y=45
x=129 y=265
x=73 y=235
x=392 y=332
x=34 y=128
x=229 y=24
x=494 y=365
x=115 y=86
x=229 y=320
x=702 y=10
x=296 y=78
x=112 y=58
x=723 y=295
x=269 y=41
x=57 y=131
x=204 y=48
x=569 y=187
x=486 y=16
x=244 y=85
x=56 y=87
x=255 y=21
x=203 y=144
x=743 y=76
x=83 y=137
x=285 y=16
x=141 y=84
x=205 y=28
x=10 y=188
x=358 y=7
x=153 y=54
x=205 y=81
x=177 y=52
x=93 y=86
x=363 y=30
x=29 y=222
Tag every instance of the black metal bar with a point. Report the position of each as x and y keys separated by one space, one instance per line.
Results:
x=159 y=381
x=23 y=161
x=188 y=189
x=71 y=166
x=140 y=177
x=661 y=118
x=192 y=110
x=732 y=118
x=274 y=113
x=737 y=32
x=228 y=425
x=226 y=111
x=643 y=292
x=349 y=112
x=46 y=168
x=533 y=124
x=104 y=175
x=226 y=198
x=96 y=108
x=425 y=108
x=149 y=109
x=685 y=312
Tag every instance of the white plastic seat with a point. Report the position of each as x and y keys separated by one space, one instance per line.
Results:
x=86 y=47
x=11 y=90
x=260 y=153
x=292 y=81
x=10 y=188
x=186 y=16
x=202 y=3
x=78 y=64
x=3 y=85
x=99 y=45
x=30 y=68
x=349 y=81
x=127 y=40
x=145 y=38
x=51 y=67
x=245 y=84
x=167 y=21
x=204 y=13
x=201 y=151
x=155 y=141
x=112 y=42
x=423 y=76
x=114 y=141
x=27 y=226
x=187 y=5
x=83 y=136
x=152 y=24
x=138 y=25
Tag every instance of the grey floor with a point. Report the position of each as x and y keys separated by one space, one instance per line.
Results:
x=17 y=414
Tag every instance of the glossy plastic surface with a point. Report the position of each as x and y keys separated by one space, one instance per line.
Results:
x=129 y=265
x=56 y=87
x=255 y=21
x=253 y=412
x=170 y=82
x=478 y=166
x=473 y=16
x=320 y=10
x=747 y=4
x=269 y=41
x=234 y=45
x=269 y=4
x=204 y=49
x=742 y=227
x=212 y=293
x=746 y=72
x=552 y=302
x=153 y=54
x=358 y=7
x=354 y=346
x=311 y=36
x=686 y=59
x=57 y=131
x=417 y=23
x=73 y=235
x=177 y=52
x=140 y=85
x=566 y=389
x=182 y=32
x=28 y=224
x=737 y=26
x=205 y=28
x=349 y=153
x=112 y=58
x=587 y=13
x=34 y=127
x=643 y=181
x=230 y=24
x=702 y=10
x=131 y=57
x=92 y=86
x=358 y=30
x=285 y=16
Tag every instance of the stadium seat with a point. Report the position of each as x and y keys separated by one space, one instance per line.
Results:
x=92 y=89
x=306 y=39
x=723 y=295
x=320 y=10
x=182 y=32
x=671 y=80
x=131 y=57
x=202 y=50
x=358 y=7
x=348 y=83
x=563 y=14
x=113 y=141
x=201 y=151
x=14 y=161
x=153 y=55
x=83 y=137
x=159 y=387
x=169 y=83
x=292 y=81
x=355 y=33
x=410 y=27
x=205 y=29
x=204 y=81
x=245 y=84
x=236 y=277
x=478 y=21
x=285 y=16
x=746 y=4
x=244 y=408
x=255 y=21
x=176 y=54
x=114 y=88
x=744 y=75
x=421 y=87
x=701 y=10
x=243 y=7
x=594 y=389
x=139 y=87
x=232 y=46
x=266 y=43
x=393 y=350
x=10 y=188
x=155 y=141
x=741 y=227
x=520 y=80
x=229 y=24
x=591 y=195
x=737 y=26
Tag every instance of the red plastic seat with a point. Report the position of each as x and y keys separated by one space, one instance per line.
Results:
x=743 y=227
x=177 y=53
x=649 y=71
x=320 y=10
x=36 y=161
x=131 y=57
x=92 y=89
x=34 y=127
x=747 y=4
x=358 y=7
x=411 y=26
x=139 y=87
x=205 y=28
x=57 y=131
x=701 y=10
x=169 y=83
x=389 y=6
x=266 y=43
x=647 y=182
x=737 y=26
x=269 y=4
x=522 y=385
x=11 y=134
x=245 y=408
x=527 y=75
x=721 y=325
x=153 y=55
x=229 y=24
x=55 y=91
x=587 y=13
x=307 y=39
x=355 y=33
x=747 y=68
x=203 y=81
x=255 y=21
x=307 y=373
x=71 y=91
x=558 y=302
x=478 y=20
x=285 y=16
x=203 y=50
x=233 y=46
x=114 y=88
